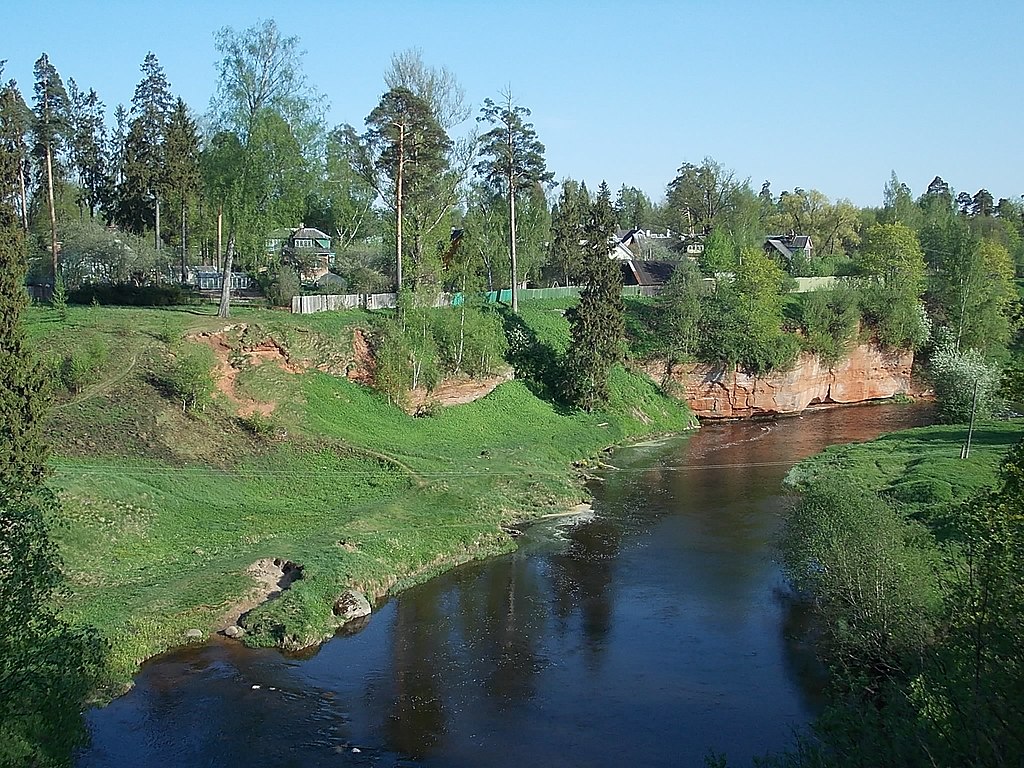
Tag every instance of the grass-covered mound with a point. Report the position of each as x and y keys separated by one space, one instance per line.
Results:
x=166 y=502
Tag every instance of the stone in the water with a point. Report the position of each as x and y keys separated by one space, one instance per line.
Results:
x=351 y=605
x=194 y=634
x=234 y=631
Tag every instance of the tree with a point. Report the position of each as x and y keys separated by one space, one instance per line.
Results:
x=261 y=95
x=46 y=667
x=832 y=226
x=899 y=202
x=742 y=319
x=513 y=157
x=15 y=124
x=50 y=129
x=182 y=177
x=972 y=285
x=87 y=145
x=982 y=204
x=596 y=324
x=405 y=158
x=144 y=162
x=567 y=216
x=964 y=382
x=719 y=253
x=892 y=253
x=679 y=311
x=438 y=88
x=700 y=195
x=633 y=209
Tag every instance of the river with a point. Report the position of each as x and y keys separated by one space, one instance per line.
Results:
x=652 y=634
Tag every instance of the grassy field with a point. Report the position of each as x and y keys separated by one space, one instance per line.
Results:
x=164 y=510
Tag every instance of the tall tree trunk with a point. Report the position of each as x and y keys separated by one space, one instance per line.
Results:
x=53 y=211
x=156 y=235
x=512 y=244
x=398 y=206
x=24 y=196
x=184 y=245
x=225 y=290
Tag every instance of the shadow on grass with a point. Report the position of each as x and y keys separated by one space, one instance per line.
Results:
x=536 y=363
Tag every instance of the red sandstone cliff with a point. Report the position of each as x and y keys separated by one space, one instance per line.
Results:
x=715 y=392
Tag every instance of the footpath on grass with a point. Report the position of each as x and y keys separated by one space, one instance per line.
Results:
x=177 y=520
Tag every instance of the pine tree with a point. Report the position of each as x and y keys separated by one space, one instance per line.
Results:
x=405 y=157
x=50 y=129
x=597 y=324
x=514 y=160
x=46 y=667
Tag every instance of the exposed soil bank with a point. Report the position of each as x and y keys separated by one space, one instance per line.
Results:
x=869 y=372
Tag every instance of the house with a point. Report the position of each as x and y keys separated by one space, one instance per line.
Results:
x=207 y=277
x=306 y=248
x=651 y=275
x=786 y=247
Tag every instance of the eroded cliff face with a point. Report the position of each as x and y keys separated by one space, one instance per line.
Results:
x=868 y=373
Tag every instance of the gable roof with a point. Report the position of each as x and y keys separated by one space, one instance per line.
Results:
x=787 y=245
x=636 y=272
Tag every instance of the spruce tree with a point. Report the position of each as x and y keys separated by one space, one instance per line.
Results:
x=597 y=323
x=181 y=174
x=46 y=667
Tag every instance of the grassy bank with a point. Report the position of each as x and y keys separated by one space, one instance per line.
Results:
x=164 y=510
x=912 y=558
x=920 y=468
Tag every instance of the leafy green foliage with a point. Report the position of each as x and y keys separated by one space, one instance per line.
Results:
x=82 y=363
x=871 y=572
x=189 y=379
x=742 y=323
x=941 y=683
x=963 y=380
x=830 y=320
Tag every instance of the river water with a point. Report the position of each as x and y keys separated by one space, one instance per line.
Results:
x=653 y=634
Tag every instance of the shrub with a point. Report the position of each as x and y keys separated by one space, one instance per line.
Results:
x=126 y=294
x=189 y=379
x=829 y=320
x=82 y=362
x=960 y=377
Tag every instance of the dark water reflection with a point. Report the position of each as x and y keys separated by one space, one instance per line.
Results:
x=649 y=635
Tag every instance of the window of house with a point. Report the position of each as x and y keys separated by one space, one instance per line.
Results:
x=304 y=243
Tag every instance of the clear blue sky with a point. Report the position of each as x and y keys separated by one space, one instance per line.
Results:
x=818 y=94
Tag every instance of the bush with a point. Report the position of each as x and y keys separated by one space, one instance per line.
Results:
x=898 y=317
x=126 y=294
x=82 y=362
x=189 y=379
x=829 y=320
x=959 y=376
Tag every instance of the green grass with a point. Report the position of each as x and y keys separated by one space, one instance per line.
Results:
x=920 y=467
x=164 y=510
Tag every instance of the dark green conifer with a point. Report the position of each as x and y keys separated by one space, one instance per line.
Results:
x=597 y=324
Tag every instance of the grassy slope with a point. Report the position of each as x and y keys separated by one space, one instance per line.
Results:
x=164 y=511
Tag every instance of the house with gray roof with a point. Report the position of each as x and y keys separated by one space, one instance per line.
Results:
x=786 y=247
